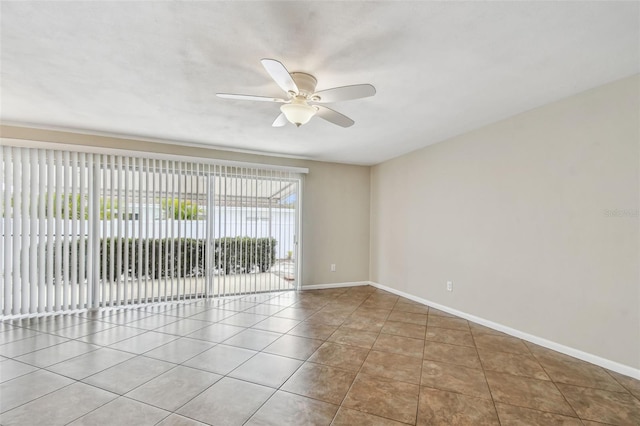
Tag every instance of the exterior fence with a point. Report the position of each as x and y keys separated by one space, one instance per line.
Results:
x=280 y=226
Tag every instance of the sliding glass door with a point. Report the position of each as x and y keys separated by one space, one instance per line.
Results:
x=254 y=234
x=86 y=230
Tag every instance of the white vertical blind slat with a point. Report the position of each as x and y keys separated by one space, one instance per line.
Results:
x=17 y=217
x=225 y=233
x=211 y=266
x=138 y=213
x=92 y=201
x=178 y=205
x=64 y=200
x=173 y=227
x=42 y=229
x=256 y=226
x=236 y=221
x=118 y=235
x=59 y=233
x=189 y=290
x=153 y=229
x=82 y=232
x=216 y=255
x=74 y=231
x=49 y=194
x=106 y=200
x=24 y=231
x=108 y=228
x=167 y=223
x=187 y=254
x=200 y=273
x=270 y=242
x=283 y=215
x=8 y=229
x=239 y=222
x=147 y=221
x=31 y=304
x=125 y=221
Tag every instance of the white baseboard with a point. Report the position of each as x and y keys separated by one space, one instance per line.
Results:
x=334 y=285
x=576 y=353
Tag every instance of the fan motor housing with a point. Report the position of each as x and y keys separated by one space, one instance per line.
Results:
x=306 y=83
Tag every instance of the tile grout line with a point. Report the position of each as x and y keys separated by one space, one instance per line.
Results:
x=555 y=384
x=281 y=385
x=355 y=377
x=550 y=380
x=365 y=360
x=484 y=374
x=186 y=366
x=75 y=381
x=233 y=378
x=622 y=384
x=153 y=378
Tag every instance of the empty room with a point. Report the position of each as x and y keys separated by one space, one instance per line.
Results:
x=319 y=213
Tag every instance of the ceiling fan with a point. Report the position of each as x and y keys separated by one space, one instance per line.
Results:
x=302 y=98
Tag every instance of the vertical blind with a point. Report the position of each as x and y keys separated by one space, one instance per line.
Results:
x=86 y=230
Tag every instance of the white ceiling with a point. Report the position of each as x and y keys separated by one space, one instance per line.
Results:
x=152 y=69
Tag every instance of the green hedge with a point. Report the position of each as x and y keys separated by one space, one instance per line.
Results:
x=183 y=257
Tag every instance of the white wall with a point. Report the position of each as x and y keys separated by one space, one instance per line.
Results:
x=518 y=215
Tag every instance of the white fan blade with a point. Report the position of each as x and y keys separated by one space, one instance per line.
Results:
x=333 y=116
x=345 y=93
x=248 y=97
x=280 y=121
x=280 y=75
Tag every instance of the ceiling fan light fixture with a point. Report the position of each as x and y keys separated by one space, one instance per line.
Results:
x=300 y=88
x=298 y=112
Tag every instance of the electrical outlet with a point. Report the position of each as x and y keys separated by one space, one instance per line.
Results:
x=449 y=285
x=333 y=267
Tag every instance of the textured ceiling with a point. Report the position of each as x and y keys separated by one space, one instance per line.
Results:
x=152 y=69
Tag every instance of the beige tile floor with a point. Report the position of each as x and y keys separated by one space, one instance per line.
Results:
x=352 y=356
